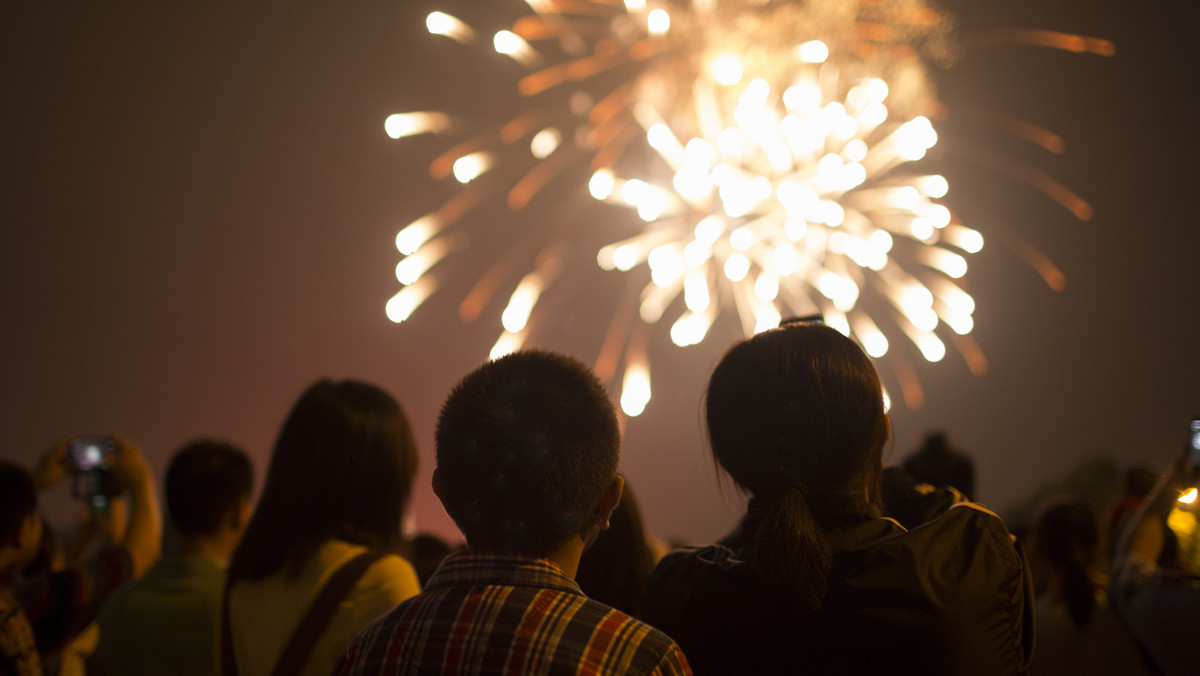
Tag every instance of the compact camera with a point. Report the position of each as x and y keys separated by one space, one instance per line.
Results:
x=90 y=461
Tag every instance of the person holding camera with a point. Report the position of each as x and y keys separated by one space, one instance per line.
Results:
x=1159 y=606
x=40 y=613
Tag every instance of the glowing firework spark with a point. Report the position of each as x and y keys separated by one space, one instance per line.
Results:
x=783 y=138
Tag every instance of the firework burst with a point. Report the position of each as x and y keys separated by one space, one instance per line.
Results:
x=769 y=150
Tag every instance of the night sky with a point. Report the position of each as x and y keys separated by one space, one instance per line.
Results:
x=199 y=205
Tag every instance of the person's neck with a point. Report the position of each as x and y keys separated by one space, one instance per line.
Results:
x=567 y=556
x=212 y=547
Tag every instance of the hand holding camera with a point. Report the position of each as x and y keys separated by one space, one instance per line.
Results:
x=100 y=467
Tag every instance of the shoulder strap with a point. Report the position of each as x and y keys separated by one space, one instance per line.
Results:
x=304 y=639
x=228 y=665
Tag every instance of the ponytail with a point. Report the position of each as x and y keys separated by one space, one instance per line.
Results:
x=1078 y=591
x=788 y=548
x=1065 y=535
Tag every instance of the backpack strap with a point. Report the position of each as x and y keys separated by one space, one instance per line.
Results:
x=312 y=625
x=226 y=664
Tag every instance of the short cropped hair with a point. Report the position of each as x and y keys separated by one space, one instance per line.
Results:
x=526 y=447
x=18 y=499
x=205 y=481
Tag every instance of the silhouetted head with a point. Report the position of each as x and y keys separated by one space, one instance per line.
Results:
x=207 y=481
x=1065 y=531
x=342 y=468
x=18 y=501
x=527 y=445
x=1139 y=481
x=937 y=464
x=801 y=403
x=1066 y=536
x=795 y=416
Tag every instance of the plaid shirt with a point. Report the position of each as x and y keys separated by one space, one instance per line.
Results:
x=18 y=650
x=483 y=613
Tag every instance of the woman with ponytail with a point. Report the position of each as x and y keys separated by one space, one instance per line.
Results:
x=1077 y=633
x=819 y=580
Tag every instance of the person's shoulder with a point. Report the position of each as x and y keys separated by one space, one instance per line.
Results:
x=966 y=516
x=701 y=556
x=388 y=581
x=687 y=569
x=391 y=574
x=964 y=525
x=649 y=650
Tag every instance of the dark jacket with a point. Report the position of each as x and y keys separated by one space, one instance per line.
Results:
x=951 y=595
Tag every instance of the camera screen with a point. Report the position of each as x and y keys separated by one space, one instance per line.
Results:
x=88 y=453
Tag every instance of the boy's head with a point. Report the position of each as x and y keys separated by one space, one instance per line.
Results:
x=527 y=446
x=208 y=486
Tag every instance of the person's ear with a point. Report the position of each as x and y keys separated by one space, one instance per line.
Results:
x=612 y=498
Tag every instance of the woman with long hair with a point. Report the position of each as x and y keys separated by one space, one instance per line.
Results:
x=1077 y=632
x=337 y=487
x=820 y=580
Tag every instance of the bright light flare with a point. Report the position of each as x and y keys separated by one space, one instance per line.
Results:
x=544 y=143
x=507 y=344
x=409 y=239
x=691 y=328
x=872 y=339
x=658 y=22
x=511 y=44
x=813 y=51
x=635 y=389
x=1189 y=497
x=470 y=167
x=440 y=23
x=602 y=184
x=399 y=125
x=727 y=69
x=408 y=299
x=516 y=315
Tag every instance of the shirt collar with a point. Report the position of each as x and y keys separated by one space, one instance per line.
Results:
x=479 y=567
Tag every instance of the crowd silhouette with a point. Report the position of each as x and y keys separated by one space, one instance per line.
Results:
x=840 y=565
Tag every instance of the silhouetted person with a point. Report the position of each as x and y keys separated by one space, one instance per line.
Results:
x=937 y=464
x=42 y=613
x=527 y=449
x=336 y=490
x=823 y=583
x=1160 y=606
x=1077 y=632
x=1136 y=485
x=167 y=622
